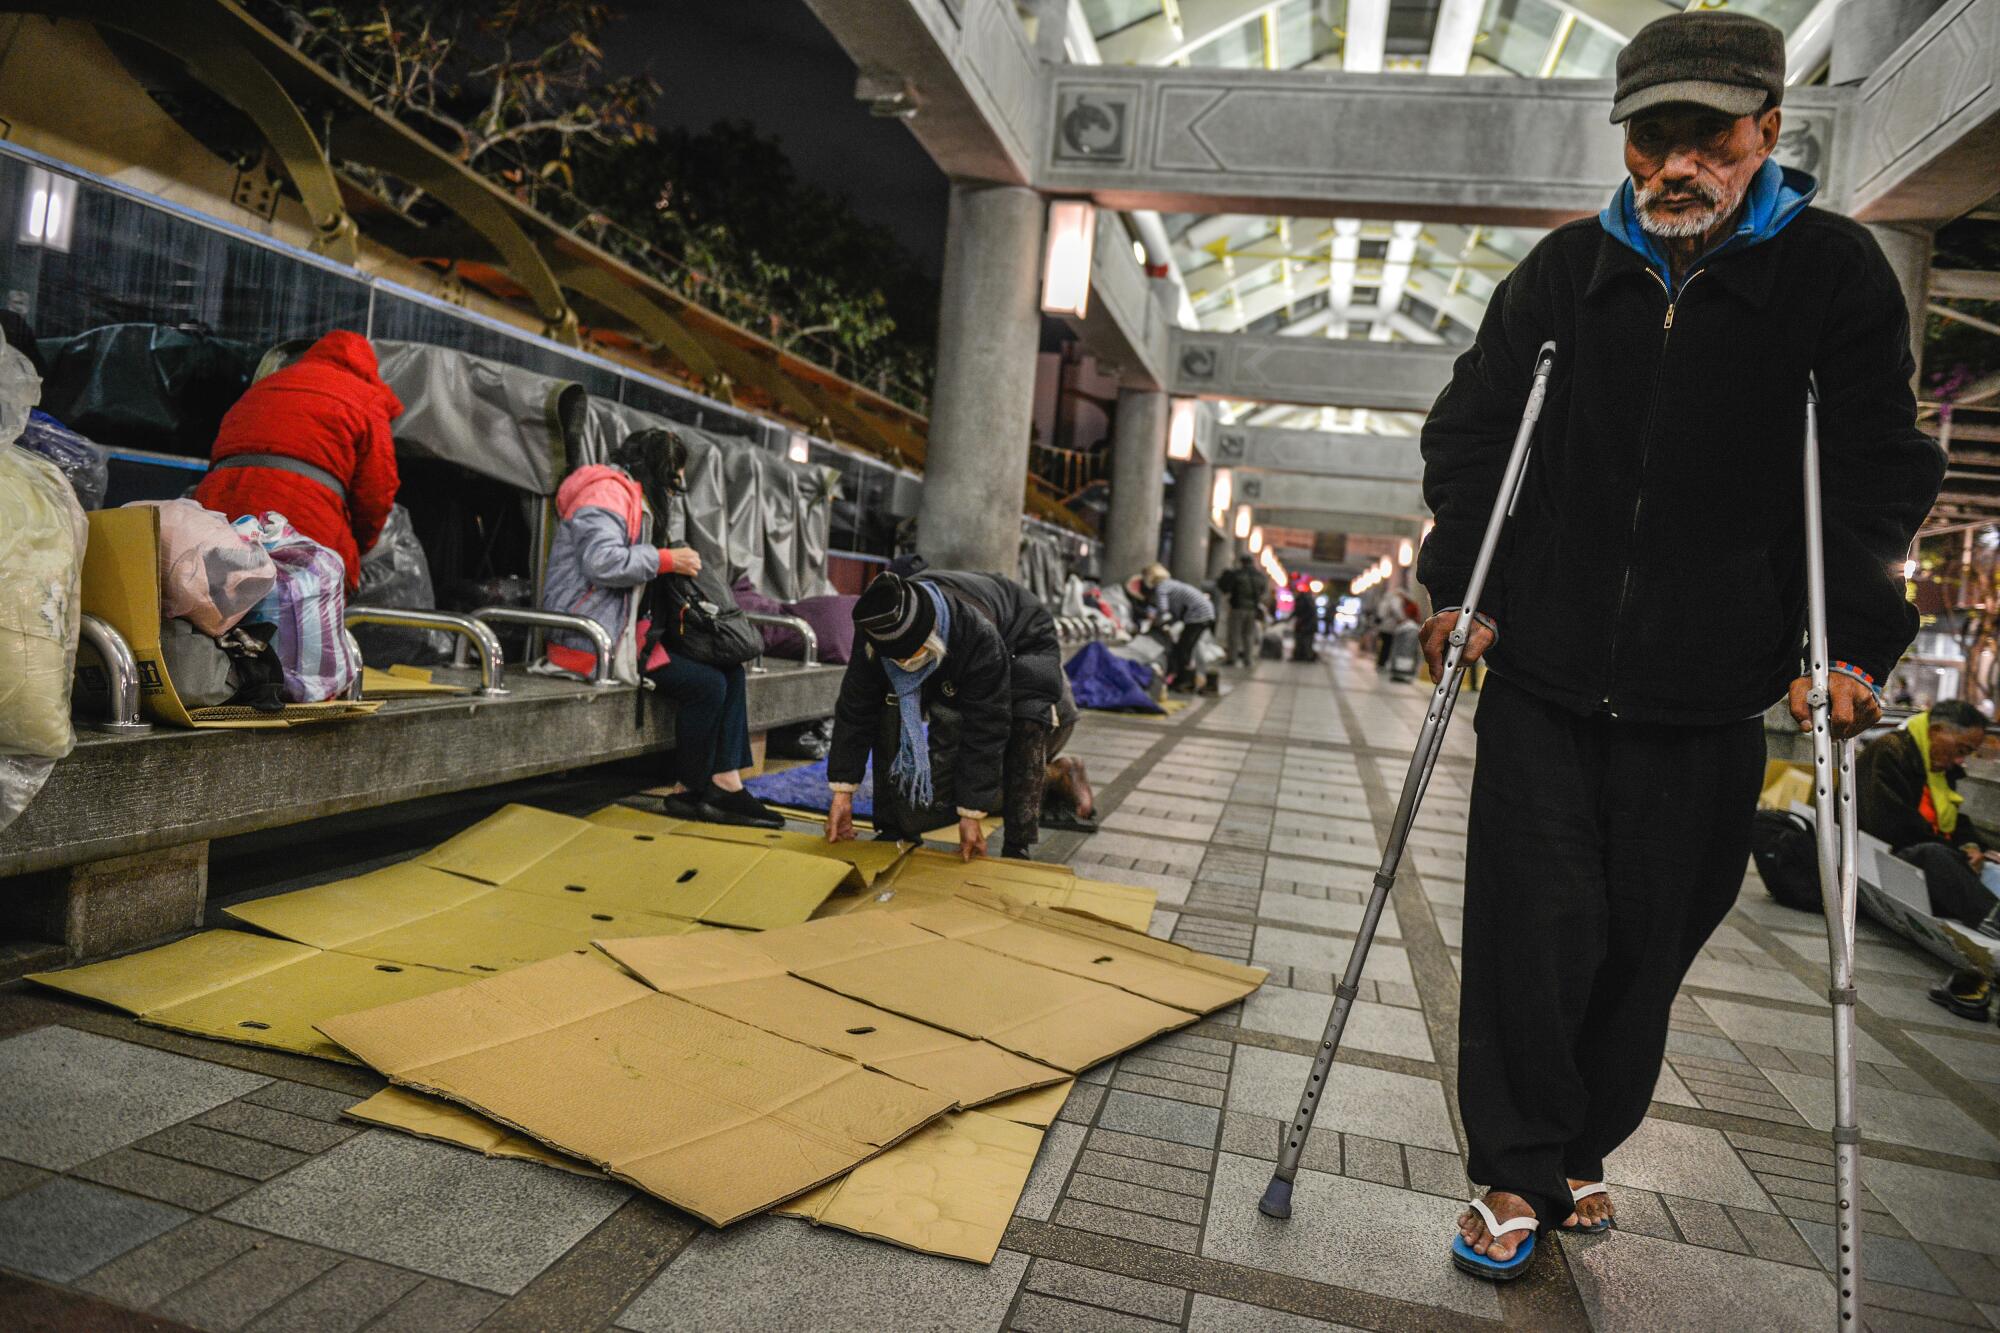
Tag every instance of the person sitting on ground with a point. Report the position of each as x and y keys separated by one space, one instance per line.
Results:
x=1910 y=800
x=977 y=654
x=602 y=558
x=1158 y=597
x=312 y=442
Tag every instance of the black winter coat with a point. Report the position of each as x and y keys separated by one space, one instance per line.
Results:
x=1891 y=777
x=1035 y=674
x=1655 y=566
x=973 y=680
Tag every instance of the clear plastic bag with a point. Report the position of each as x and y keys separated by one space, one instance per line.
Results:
x=396 y=573
x=80 y=460
x=42 y=535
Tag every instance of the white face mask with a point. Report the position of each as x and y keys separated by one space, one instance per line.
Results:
x=933 y=648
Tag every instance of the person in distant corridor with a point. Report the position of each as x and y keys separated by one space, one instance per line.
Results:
x=1909 y=799
x=312 y=442
x=1247 y=592
x=1305 y=627
x=1158 y=597
x=1648 y=601
x=976 y=656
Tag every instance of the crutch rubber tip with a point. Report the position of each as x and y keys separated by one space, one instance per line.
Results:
x=1277 y=1200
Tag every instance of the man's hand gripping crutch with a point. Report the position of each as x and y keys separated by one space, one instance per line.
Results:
x=1835 y=816
x=1277 y=1200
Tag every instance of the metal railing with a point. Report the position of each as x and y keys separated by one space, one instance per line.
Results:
x=600 y=638
x=805 y=631
x=121 y=671
x=492 y=667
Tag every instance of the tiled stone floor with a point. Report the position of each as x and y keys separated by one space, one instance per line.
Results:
x=216 y=1187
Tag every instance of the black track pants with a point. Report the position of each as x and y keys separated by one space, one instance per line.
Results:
x=1600 y=856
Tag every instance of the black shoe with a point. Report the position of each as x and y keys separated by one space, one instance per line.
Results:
x=740 y=808
x=1966 y=993
x=682 y=805
x=1012 y=853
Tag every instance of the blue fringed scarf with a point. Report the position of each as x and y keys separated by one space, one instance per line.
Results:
x=912 y=767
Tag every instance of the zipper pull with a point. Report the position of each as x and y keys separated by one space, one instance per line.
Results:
x=1670 y=316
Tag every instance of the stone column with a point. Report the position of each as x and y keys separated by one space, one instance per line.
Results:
x=1138 y=481
x=989 y=326
x=1866 y=33
x=1192 y=488
x=1221 y=554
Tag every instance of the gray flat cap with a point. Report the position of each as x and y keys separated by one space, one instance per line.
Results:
x=1731 y=63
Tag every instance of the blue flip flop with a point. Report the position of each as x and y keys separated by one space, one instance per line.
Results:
x=1468 y=1260
x=1598 y=1227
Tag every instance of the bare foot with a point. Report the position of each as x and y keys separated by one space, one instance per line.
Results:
x=1597 y=1208
x=1506 y=1207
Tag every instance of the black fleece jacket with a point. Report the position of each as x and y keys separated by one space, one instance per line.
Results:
x=1655 y=565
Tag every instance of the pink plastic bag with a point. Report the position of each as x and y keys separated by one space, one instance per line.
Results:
x=309 y=607
x=210 y=574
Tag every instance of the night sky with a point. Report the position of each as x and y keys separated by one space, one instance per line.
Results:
x=771 y=63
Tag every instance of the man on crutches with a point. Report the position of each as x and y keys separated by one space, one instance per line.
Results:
x=1648 y=599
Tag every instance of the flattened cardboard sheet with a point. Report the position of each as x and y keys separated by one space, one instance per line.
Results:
x=868 y=859
x=730 y=975
x=881 y=958
x=927 y=878
x=1169 y=973
x=504 y=844
x=441 y=1121
x=615 y=868
x=699 y=879
x=711 y=1114
x=247 y=988
x=412 y=913
x=951 y=1189
x=1038 y=1106
x=399 y=681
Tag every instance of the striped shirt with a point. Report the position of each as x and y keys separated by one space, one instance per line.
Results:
x=1183 y=602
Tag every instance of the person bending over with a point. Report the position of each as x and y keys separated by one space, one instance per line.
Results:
x=1165 y=598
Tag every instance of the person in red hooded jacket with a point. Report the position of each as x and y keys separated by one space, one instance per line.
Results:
x=312 y=442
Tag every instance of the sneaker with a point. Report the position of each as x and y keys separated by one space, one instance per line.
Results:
x=740 y=808
x=1966 y=993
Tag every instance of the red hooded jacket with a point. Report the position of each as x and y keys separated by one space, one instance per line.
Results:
x=331 y=409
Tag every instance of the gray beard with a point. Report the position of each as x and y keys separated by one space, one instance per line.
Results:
x=1694 y=225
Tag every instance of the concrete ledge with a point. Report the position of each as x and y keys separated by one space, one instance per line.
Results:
x=117 y=797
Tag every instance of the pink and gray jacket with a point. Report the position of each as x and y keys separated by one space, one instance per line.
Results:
x=599 y=561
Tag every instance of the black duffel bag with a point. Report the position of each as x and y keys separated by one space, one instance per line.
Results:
x=1787 y=857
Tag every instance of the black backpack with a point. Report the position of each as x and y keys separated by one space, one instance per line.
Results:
x=1782 y=844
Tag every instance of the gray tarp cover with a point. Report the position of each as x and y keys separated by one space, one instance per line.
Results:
x=766 y=516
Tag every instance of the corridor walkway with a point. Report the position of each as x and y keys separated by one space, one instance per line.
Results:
x=243 y=1201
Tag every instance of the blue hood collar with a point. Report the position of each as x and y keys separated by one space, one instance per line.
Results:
x=1776 y=196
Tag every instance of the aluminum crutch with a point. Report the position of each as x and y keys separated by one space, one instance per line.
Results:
x=1277 y=1200
x=1834 y=823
